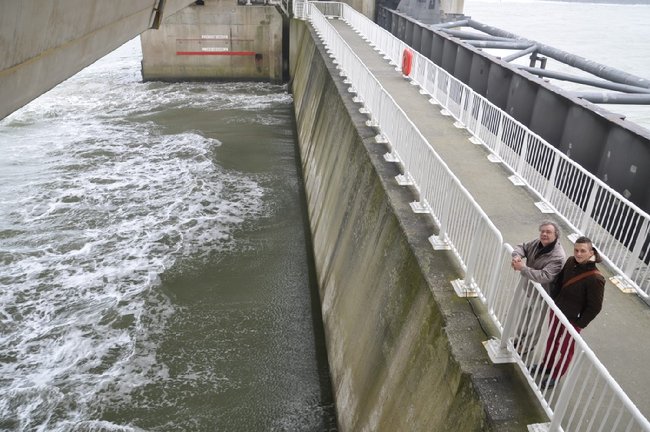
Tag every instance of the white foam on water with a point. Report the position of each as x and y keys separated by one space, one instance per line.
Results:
x=93 y=208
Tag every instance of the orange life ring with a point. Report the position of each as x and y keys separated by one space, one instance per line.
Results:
x=407 y=61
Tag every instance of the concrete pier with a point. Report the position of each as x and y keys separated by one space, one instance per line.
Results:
x=220 y=40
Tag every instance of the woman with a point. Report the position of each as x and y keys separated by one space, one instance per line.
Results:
x=578 y=292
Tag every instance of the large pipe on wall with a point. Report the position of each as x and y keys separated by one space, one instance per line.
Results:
x=615 y=150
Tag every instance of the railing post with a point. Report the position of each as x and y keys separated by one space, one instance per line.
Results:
x=522 y=156
x=435 y=86
x=464 y=287
x=591 y=202
x=463 y=96
x=438 y=242
x=447 y=93
x=565 y=394
x=479 y=119
x=632 y=261
x=423 y=78
x=468 y=117
x=513 y=314
x=551 y=178
x=497 y=147
x=498 y=348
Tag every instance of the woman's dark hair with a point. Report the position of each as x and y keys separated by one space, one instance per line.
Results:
x=586 y=240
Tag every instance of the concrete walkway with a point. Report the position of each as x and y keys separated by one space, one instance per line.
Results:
x=620 y=335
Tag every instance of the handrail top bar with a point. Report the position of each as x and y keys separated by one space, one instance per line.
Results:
x=442 y=162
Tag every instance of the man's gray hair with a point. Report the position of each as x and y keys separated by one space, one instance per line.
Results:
x=553 y=224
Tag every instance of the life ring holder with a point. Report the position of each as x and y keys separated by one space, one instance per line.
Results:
x=407 y=61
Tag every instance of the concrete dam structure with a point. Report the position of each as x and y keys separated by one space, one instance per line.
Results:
x=405 y=353
x=217 y=40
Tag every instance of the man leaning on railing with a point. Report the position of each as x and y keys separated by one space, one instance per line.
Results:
x=545 y=257
x=578 y=292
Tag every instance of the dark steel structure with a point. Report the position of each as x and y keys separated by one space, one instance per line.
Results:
x=615 y=150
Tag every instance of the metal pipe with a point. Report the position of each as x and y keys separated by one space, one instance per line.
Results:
x=518 y=44
x=518 y=54
x=477 y=36
x=461 y=23
x=613 y=98
x=582 y=63
x=584 y=80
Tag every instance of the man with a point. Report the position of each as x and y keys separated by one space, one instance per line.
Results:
x=545 y=256
x=544 y=259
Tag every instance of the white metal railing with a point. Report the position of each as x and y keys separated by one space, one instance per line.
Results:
x=299 y=8
x=587 y=398
x=463 y=226
x=479 y=248
x=619 y=229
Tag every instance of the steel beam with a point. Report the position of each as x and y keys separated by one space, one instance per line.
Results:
x=584 y=80
x=613 y=98
x=474 y=36
x=582 y=63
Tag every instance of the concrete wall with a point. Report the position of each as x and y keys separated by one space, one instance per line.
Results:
x=45 y=42
x=218 y=41
x=405 y=353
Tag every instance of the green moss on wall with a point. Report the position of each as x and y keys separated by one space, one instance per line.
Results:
x=388 y=309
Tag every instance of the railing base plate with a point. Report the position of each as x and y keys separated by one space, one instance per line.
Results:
x=390 y=157
x=461 y=289
x=538 y=427
x=381 y=139
x=419 y=207
x=459 y=125
x=475 y=140
x=516 y=180
x=544 y=208
x=404 y=180
x=438 y=244
x=622 y=284
x=494 y=158
x=496 y=354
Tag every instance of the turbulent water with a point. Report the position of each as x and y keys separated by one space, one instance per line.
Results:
x=154 y=268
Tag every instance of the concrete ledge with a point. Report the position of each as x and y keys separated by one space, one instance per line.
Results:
x=405 y=353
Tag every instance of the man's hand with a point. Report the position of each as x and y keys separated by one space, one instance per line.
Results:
x=517 y=264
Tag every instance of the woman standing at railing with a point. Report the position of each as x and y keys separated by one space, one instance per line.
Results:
x=578 y=292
